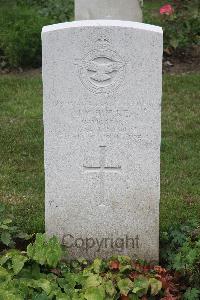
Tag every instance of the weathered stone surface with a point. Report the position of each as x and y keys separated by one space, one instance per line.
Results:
x=127 y=10
x=102 y=97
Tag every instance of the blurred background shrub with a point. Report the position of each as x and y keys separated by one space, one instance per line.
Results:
x=20 y=40
x=180 y=20
x=57 y=10
x=21 y=23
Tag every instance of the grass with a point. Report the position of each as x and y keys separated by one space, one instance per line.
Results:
x=21 y=150
x=180 y=172
x=21 y=144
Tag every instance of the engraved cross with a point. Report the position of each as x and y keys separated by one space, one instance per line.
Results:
x=102 y=169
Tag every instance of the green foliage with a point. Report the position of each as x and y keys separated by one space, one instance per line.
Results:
x=29 y=275
x=57 y=11
x=8 y=232
x=181 y=251
x=5 y=229
x=125 y=286
x=21 y=25
x=20 y=272
x=14 y=261
x=182 y=28
x=192 y=294
x=173 y=239
x=187 y=260
x=99 y=281
x=20 y=39
x=45 y=251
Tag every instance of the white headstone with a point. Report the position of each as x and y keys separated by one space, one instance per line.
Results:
x=102 y=104
x=127 y=10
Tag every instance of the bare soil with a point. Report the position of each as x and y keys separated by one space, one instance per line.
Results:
x=182 y=62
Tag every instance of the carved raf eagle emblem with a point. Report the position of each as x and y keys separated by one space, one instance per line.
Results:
x=103 y=71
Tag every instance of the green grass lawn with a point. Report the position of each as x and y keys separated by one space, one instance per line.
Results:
x=21 y=150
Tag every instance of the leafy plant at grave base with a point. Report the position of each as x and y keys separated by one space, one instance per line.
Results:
x=181 y=252
x=8 y=232
x=192 y=294
x=174 y=238
x=45 y=251
x=41 y=273
x=181 y=24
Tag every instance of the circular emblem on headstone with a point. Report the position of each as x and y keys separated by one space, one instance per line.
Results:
x=102 y=70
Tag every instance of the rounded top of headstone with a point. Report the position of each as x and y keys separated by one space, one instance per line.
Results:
x=102 y=23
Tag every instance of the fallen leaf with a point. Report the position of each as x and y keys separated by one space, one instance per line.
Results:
x=123 y=297
x=114 y=265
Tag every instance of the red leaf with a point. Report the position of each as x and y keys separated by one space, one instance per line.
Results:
x=123 y=297
x=169 y=297
x=114 y=265
x=146 y=269
x=159 y=269
x=133 y=275
x=165 y=283
x=137 y=266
